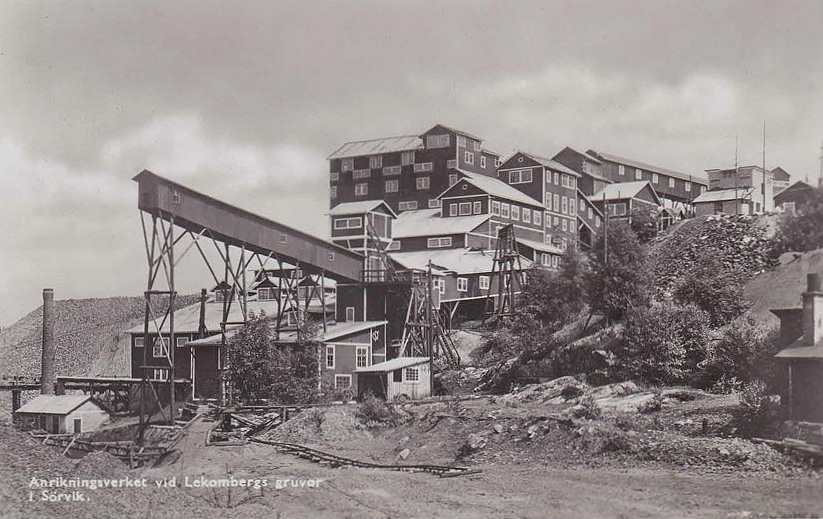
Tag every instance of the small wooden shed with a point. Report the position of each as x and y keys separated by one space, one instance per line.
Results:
x=403 y=378
x=60 y=414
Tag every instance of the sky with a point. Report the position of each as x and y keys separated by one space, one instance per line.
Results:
x=243 y=100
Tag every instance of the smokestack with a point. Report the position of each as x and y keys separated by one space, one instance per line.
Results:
x=47 y=361
x=813 y=310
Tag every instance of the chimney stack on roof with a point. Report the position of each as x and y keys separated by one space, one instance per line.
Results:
x=813 y=310
x=47 y=359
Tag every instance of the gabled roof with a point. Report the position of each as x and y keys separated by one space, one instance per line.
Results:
x=549 y=163
x=459 y=261
x=359 y=207
x=435 y=226
x=582 y=196
x=781 y=174
x=333 y=331
x=494 y=187
x=586 y=155
x=623 y=190
x=797 y=186
x=724 y=195
x=540 y=246
x=374 y=146
x=54 y=404
x=453 y=130
x=393 y=364
x=699 y=179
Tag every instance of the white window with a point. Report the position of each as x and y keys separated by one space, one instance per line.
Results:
x=621 y=169
x=437 y=243
x=504 y=210
x=520 y=176
x=331 y=256
x=548 y=177
x=138 y=342
x=538 y=218
x=556 y=203
x=688 y=186
x=671 y=182
x=434 y=203
x=407 y=158
x=362 y=356
x=497 y=162
x=461 y=141
x=342 y=382
x=349 y=313
x=437 y=141
x=361 y=189
x=557 y=178
x=555 y=261
x=330 y=356
x=597 y=222
x=391 y=170
x=496 y=207
x=452 y=209
x=335 y=176
x=441 y=286
x=462 y=285
x=412 y=375
x=392 y=186
x=638 y=174
x=376 y=161
x=556 y=222
x=333 y=191
x=361 y=173
x=157 y=348
x=423 y=167
x=515 y=212
x=582 y=206
x=160 y=374
x=422 y=182
x=655 y=178
x=617 y=209
x=572 y=207
x=283 y=238
x=348 y=223
x=477 y=207
x=181 y=341
x=590 y=213
x=564 y=225
x=452 y=179
x=564 y=205
x=527 y=215
x=468 y=157
x=572 y=182
x=465 y=208
x=548 y=220
x=265 y=294
x=545 y=259
x=395 y=245
x=483 y=282
x=407 y=206
x=548 y=201
x=347 y=165
x=476 y=145
x=482 y=161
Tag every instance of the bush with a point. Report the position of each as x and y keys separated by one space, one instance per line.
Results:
x=587 y=408
x=759 y=411
x=644 y=224
x=742 y=353
x=801 y=232
x=653 y=405
x=553 y=298
x=709 y=287
x=373 y=409
x=662 y=343
x=619 y=282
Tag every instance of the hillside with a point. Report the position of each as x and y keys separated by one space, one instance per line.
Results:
x=89 y=338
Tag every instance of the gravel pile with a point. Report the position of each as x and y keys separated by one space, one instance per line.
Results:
x=739 y=242
x=324 y=424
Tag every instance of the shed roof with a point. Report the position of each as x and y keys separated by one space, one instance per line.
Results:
x=495 y=187
x=333 y=331
x=699 y=179
x=54 y=404
x=373 y=146
x=622 y=190
x=393 y=364
x=413 y=226
x=459 y=261
x=359 y=207
x=540 y=246
x=549 y=163
x=187 y=319
x=723 y=195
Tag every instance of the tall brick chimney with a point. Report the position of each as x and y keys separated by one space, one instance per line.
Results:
x=813 y=310
x=47 y=360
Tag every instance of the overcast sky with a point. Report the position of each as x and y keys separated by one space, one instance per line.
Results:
x=244 y=100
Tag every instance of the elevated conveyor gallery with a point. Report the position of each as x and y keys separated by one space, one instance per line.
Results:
x=197 y=212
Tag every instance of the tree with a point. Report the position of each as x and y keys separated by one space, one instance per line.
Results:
x=644 y=224
x=619 y=280
x=744 y=352
x=553 y=298
x=801 y=232
x=711 y=288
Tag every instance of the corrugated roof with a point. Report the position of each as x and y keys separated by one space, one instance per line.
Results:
x=540 y=246
x=723 y=195
x=551 y=163
x=360 y=207
x=621 y=190
x=459 y=261
x=393 y=364
x=699 y=179
x=187 y=319
x=333 y=331
x=54 y=404
x=496 y=188
x=373 y=146
x=436 y=225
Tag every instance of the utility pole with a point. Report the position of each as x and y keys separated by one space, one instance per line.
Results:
x=820 y=178
x=736 y=196
x=763 y=184
x=605 y=231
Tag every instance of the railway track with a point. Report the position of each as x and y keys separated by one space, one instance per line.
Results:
x=334 y=460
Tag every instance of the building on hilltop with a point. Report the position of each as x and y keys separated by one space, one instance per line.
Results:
x=795 y=198
x=781 y=179
x=754 y=180
x=621 y=200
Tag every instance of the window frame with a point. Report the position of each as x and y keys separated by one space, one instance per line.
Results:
x=365 y=355
x=337 y=377
x=375 y=161
x=477 y=207
x=515 y=214
x=483 y=282
x=438 y=242
x=422 y=183
x=361 y=189
x=406 y=158
x=468 y=157
x=333 y=356
x=392 y=186
x=353 y=314
x=495 y=207
x=468 y=209
x=505 y=210
x=411 y=369
x=464 y=282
